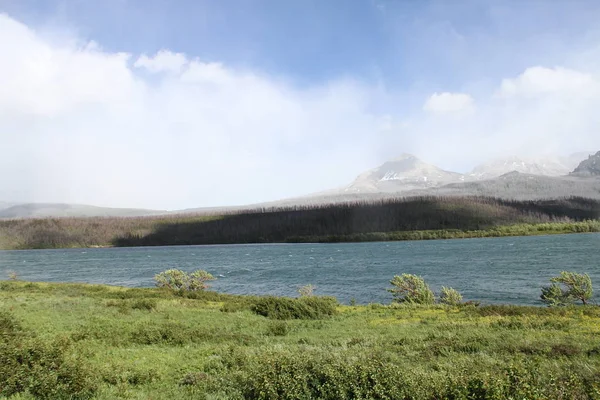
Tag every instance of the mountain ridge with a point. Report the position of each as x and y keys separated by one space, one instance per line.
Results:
x=403 y=176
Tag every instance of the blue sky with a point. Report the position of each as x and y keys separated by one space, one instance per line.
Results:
x=346 y=83
x=443 y=44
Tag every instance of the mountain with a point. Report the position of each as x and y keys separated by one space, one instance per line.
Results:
x=589 y=167
x=42 y=210
x=401 y=174
x=519 y=186
x=5 y=205
x=544 y=166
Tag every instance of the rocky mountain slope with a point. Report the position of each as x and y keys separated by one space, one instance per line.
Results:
x=589 y=166
x=405 y=176
x=401 y=174
x=544 y=166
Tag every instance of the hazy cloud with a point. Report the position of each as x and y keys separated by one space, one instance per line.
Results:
x=539 y=81
x=163 y=61
x=168 y=130
x=448 y=103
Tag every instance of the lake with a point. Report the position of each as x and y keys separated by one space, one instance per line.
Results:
x=491 y=270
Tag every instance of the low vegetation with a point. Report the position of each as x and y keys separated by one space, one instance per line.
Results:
x=396 y=219
x=75 y=341
x=176 y=279
x=567 y=288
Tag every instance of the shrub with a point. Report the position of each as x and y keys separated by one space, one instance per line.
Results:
x=450 y=296
x=567 y=288
x=167 y=333
x=306 y=290
x=301 y=308
x=278 y=328
x=553 y=295
x=144 y=304
x=410 y=288
x=177 y=279
x=39 y=368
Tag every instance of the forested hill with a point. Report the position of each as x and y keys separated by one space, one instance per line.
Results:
x=441 y=217
x=333 y=222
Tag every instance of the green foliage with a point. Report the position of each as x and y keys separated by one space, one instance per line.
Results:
x=410 y=288
x=144 y=304
x=567 y=288
x=278 y=328
x=188 y=349
x=176 y=279
x=287 y=375
x=169 y=333
x=313 y=307
x=450 y=296
x=39 y=368
x=553 y=295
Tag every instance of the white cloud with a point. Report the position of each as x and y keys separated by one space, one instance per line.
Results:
x=80 y=124
x=449 y=103
x=536 y=81
x=163 y=61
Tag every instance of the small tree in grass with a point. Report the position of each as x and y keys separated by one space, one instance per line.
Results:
x=177 y=279
x=410 y=288
x=306 y=290
x=450 y=296
x=567 y=288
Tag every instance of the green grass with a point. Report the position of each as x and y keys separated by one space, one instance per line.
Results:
x=549 y=228
x=156 y=344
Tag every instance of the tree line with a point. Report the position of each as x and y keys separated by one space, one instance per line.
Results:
x=389 y=219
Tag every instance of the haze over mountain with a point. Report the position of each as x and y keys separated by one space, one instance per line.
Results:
x=43 y=210
x=134 y=103
x=406 y=172
x=545 y=166
x=404 y=176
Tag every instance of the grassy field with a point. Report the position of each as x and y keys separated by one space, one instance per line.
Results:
x=91 y=341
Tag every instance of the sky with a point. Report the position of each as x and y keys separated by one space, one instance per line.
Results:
x=191 y=103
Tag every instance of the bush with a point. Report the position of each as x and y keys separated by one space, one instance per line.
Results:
x=144 y=304
x=410 y=288
x=39 y=368
x=278 y=328
x=169 y=333
x=302 y=308
x=314 y=374
x=306 y=290
x=177 y=279
x=567 y=288
x=450 y=296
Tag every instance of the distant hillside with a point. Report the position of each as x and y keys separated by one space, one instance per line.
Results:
x=341 y=222
x=4 y=205
x=589 y=167
x=517 y=186
x=337 y=222
x=41 y=210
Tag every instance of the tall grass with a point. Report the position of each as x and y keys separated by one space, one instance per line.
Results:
x=81 y=341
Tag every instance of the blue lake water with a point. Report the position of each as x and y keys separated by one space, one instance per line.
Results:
x=491 y=270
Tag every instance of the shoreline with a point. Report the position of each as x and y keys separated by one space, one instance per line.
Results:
x=514 y=230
